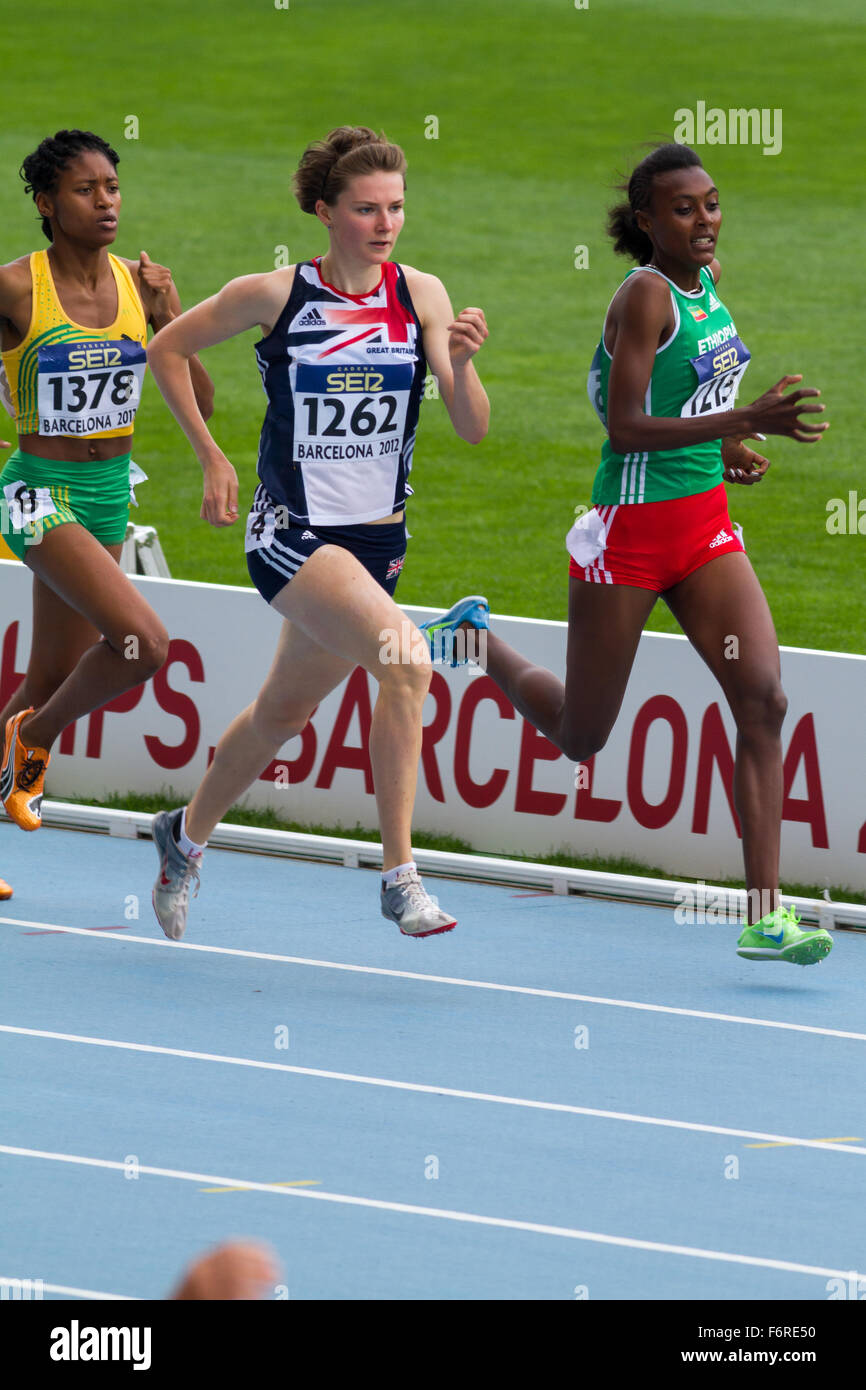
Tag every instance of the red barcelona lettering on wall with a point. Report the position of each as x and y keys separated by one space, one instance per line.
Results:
x=602 y=809
x=175 y=755
x=356 y=699
x=810 y=808
x=433 y=732
x=10 y=679
x=534 y=747
x=665 y=707
x=714 y=751
x=478 y=794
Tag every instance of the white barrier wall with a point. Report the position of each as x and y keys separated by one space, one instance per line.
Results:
x=660 y=791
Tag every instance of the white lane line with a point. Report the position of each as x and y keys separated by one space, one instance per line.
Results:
x=439 y=979
x=16 y=1285
x=519 y=1101
x=537 y=1228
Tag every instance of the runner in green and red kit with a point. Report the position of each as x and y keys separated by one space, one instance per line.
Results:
x=664 y=381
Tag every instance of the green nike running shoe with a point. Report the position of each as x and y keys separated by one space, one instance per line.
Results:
x=778 y=937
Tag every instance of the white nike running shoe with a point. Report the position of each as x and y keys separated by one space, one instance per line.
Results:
x=407 y=902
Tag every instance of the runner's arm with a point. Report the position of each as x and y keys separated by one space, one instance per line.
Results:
x=240 y=305
x=449 y=346
x=642 y=314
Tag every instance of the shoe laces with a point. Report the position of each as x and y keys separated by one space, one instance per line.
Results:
x=413 y=890
x=30 y=773
x=190 y=876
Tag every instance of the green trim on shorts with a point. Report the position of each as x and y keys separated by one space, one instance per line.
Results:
x=94 y=495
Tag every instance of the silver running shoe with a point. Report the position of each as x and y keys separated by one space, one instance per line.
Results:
x=407 y=902
x=176 y=873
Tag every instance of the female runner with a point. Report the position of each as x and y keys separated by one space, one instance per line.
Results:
x=73 y=329
x=667 y=366
x=342 y=357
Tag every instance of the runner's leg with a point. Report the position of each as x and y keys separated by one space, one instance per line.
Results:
x=605 y=622
x=719 y=602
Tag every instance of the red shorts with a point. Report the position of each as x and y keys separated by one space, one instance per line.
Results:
x=651 y=545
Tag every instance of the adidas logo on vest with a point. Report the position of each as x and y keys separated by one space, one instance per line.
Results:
x=313 y=319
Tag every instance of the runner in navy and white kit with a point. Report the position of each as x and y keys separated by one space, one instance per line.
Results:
x=347 y=339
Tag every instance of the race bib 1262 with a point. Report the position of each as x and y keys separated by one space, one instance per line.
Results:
x=350 y=413
x=89 y=387
x=719 y=372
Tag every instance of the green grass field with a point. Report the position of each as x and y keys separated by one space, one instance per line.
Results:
x=539 y=106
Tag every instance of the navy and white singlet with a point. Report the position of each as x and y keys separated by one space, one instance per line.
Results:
x=344 y=375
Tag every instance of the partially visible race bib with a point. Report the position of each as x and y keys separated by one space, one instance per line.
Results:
x=89 y=387
x=260 y=530
x=27 y=505
x=719 y=375
x=593 y=385
x=345 y=413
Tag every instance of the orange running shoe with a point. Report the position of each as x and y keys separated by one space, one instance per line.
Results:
x=22 y=774
x=5 y=890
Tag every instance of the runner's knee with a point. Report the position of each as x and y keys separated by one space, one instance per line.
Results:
x=276 y=724
x=762 y=708
x=147 y=649
x=409 y=675
x=579 y=745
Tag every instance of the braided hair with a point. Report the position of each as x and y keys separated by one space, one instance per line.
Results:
x=628 y=239
x=41 y=170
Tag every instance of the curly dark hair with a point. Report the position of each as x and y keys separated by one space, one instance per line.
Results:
x=41 y=170
x=628 y=239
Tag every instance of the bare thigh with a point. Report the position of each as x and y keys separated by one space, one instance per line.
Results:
x=605 y=622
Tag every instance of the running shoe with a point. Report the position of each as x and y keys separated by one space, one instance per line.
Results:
x=407 y=902
x=5 y=890
x=176 y=874
x=778 y=937
x=441 y=632
x=22 y=775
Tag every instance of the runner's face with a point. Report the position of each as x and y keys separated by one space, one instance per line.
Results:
x=86 y=202
x=684 y=218
x=366 y=219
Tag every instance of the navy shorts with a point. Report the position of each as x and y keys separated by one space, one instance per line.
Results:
x=276 y=553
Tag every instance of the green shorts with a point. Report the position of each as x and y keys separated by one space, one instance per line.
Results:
x=38 y=494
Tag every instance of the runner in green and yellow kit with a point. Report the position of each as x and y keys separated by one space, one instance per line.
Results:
x=73 y=330
x=664 y=380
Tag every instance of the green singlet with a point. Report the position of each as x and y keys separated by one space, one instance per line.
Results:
x=697 y=371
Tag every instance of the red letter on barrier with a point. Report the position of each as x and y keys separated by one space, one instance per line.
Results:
x=121 y=704
x=433 y=732
x=534 y=747
x=478 y=794
x=803 y=748
x=714 y=748
x=10 y=679
x=659 y=707
x=338 y=754
x=173 y=702
x=596 y=808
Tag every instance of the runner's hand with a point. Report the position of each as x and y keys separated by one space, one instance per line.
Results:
x=5 y=444
x=466 y=335
x=776 y=413
x=741 y=464
x=239 y=1269
x=220 y=503
x=156 y=284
